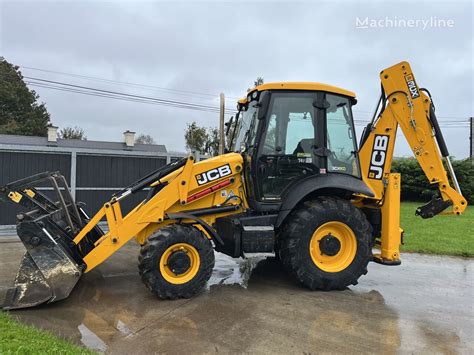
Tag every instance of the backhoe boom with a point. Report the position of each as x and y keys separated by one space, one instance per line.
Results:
x=405 y=105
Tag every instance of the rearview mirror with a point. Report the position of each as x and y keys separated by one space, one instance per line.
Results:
x=263 y=104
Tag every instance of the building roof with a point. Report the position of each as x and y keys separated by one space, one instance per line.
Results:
x=79 y=144
x=301 y=85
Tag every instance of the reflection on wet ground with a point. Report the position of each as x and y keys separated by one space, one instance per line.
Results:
x=252 y=305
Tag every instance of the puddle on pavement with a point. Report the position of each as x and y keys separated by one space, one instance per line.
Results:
x=229 y=271
x=94 y=315
x=111 y=310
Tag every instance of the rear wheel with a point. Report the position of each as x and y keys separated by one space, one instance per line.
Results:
x=176 y=261
x=326 y=243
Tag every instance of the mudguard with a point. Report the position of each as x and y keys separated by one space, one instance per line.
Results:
x=325 y=184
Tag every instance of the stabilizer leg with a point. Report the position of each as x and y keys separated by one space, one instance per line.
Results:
x=391 y=231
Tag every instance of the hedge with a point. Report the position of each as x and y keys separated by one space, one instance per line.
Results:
x=415 y=186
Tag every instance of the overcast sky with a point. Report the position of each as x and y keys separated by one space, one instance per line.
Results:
x=211 y=47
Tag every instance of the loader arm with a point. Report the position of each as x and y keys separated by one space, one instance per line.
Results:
x=403 y=104
x=62 y=241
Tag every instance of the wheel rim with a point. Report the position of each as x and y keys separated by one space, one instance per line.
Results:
x=339 y=243
x=180 y=277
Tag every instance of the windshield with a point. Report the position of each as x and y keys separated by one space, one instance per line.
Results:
x=245 y=128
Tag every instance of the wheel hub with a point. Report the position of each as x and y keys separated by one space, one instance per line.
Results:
x=179 y=262
x=329 y=245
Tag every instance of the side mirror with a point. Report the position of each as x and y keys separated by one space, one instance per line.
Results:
x=263 y=104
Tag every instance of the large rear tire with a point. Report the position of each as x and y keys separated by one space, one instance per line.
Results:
x=326 y=244
x=176 y=261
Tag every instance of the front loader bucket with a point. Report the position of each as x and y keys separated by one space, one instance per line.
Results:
x=47 y=273
x=52 y=264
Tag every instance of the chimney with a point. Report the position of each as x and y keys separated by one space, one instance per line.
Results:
x=52 y=134
x=129 y=138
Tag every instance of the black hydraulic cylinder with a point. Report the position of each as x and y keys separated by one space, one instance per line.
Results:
x=438 y=134
x=152 y=177
x=167 y=169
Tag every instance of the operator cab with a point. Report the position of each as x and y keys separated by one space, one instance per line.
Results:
x=289 y=131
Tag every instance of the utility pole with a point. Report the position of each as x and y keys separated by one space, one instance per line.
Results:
x=471 y=123
x=221 y=125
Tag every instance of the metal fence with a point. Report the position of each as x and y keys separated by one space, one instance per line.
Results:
x=92 y=174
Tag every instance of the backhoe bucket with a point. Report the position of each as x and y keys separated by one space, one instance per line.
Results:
x=52 y=264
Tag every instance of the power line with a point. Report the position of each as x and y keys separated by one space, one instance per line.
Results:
x=146 y=100
x=178 y=91
x=86 y=90
x=117 y=97
x=61 y=86
x=125 y=83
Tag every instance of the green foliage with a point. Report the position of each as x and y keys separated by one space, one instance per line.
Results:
x=17 y=338
x=415 y=186
x=201 y=139
x=212 y=143
x=443 y=234
x=195 y=137
x=464 y=170
x=144 y=139
x=259 y=81
x=20 y=112
x=72 y=133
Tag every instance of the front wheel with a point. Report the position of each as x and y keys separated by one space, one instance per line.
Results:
x=176 y=261
x=326 y=243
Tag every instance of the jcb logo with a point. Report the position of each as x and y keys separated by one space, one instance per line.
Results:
x=213 y=174
x=377 y=159
x=412 y=86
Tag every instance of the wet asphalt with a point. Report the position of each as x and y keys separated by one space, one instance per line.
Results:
x=423 y=306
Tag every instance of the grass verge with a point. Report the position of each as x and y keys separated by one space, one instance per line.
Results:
x=443 y=234
x=17 y=338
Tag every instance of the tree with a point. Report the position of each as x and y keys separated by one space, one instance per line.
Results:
x=212 y=142
x=195 y=137
x=259 y=81
x=20 y=111
x=144 y=139
x=72 y=133
x=201 y=139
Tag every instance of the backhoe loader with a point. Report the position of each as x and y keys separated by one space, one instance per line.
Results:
x=293 y=182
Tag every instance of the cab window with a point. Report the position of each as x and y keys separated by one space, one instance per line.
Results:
x=341 y=137
x=288 y=143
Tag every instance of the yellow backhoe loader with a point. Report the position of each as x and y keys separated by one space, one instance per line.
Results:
x=293 y=182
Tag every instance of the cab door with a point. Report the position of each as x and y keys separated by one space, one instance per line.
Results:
x=289 y=147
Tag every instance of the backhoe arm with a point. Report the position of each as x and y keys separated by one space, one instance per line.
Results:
x=411 y=108
x=403 y=104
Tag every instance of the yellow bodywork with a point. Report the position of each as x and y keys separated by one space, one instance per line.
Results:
x=410 y=113
x=151 y=215
x=304 y=86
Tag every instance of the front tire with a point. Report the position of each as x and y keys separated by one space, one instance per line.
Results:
x=176 y=261
x=326 y=244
